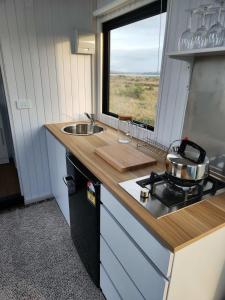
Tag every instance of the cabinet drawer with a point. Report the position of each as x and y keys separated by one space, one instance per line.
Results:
x=116 y=273
x=160 y=255
x=148 y=280
x=107 y=287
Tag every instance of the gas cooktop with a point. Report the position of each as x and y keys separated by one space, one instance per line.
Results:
x=161 y=196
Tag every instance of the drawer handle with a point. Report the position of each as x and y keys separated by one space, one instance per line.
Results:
x=68 y=179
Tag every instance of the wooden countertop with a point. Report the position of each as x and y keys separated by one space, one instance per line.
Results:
x=176 y=230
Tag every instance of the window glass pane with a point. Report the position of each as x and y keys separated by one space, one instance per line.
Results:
x=135 y=62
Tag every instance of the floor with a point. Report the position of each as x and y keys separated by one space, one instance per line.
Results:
x=37 y=258
x=9 y=182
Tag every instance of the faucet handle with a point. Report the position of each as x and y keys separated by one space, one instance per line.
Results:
x=87 y=115
x=91 y=117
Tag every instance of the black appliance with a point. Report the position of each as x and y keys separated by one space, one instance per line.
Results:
x=84 y=204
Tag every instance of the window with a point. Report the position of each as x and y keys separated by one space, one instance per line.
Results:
x=132 y=54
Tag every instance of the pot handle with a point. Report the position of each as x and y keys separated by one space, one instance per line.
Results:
x=202 y=154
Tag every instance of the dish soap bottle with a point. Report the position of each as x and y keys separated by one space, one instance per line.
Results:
x=124 y=134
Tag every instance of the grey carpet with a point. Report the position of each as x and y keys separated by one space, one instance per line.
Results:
x=37 y=258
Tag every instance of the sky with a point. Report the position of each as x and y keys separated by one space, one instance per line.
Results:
x=135 y=47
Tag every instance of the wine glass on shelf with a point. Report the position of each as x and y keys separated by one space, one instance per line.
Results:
x=216 y=33
x=199 y=39
x=185 y=41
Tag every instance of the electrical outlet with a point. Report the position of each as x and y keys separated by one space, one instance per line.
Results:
x=23 y=104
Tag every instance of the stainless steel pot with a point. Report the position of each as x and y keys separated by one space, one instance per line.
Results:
x=188 y=162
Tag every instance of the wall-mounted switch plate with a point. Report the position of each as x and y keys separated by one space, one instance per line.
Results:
x=23 y=104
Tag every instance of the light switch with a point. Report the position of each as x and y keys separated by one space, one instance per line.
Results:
x=23 y=104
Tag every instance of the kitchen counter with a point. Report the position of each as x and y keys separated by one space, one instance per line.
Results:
x=176 y=230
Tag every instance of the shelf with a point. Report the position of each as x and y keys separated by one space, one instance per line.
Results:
x=190 y=54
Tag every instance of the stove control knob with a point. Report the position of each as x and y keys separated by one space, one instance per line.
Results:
x=144 y=194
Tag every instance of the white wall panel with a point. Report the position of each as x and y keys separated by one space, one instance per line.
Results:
x=169 y=122
x=38 y=65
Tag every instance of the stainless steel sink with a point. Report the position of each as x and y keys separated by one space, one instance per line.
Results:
x=82 y=129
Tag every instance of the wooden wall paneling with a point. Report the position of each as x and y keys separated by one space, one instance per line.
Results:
x=58 y=48
x=177 y=96
x=38 y=93
x=81 y=79
x=87 y=81
x=67 y=77
x=169 y=93
x=66 y=51
x=40 y=23
x=154 y=133
x=163 y=71
x=168 y=112
x=75 y=85
x=39 y=66
x=30 y=94
x=26 y=145
x=184 y=78
x=93 y=59
x=180 y=104
x=8 y=67
x=50 y=24
x=182 y=90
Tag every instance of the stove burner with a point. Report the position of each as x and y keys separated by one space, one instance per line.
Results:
x=172 y=192
x=167 y=196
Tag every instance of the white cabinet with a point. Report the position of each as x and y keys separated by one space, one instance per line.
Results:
x=199 y=269
x=117 y=274
x=107 y=286
x=141 y=270
x=152 y=248
x=57 y=165
x=136 y=263
x=3 y=147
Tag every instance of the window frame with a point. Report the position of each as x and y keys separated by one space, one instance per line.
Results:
x=149 y=10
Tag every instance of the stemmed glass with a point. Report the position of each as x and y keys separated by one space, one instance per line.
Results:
x=216 y=33
x=185 y=41
x=199 y=37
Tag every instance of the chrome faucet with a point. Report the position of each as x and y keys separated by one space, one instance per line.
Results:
x=91 y=117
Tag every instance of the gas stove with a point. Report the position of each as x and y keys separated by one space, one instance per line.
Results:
x=161 y=196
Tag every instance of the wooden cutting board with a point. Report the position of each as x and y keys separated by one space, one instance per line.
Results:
x=124 y=157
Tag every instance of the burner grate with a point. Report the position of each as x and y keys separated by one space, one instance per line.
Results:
x=171 y=194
